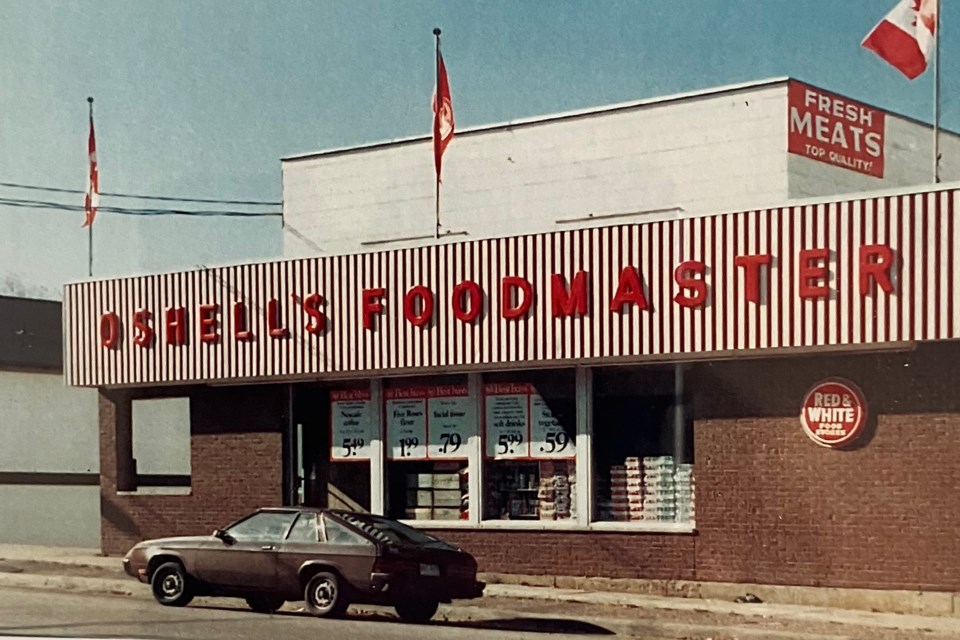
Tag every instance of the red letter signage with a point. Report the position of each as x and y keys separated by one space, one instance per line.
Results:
x=629 y=290
x=569 y=303
x=110 y=330
x=208 y=323
x=699 y=287
x=240 y=331
x=813 y=275
x=277 y=330
x=318 y=321
x=176 y=326
x=144 y=336
x=422 y=297
x=751 y=273
x=512 y=287
x=372 y=304
x=474 y=301
x=876 y=260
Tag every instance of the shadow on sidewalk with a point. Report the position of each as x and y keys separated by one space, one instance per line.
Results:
x=532 y=624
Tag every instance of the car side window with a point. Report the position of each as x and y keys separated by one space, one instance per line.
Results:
x=262 y=527
x=337 y=533
x=304 y=529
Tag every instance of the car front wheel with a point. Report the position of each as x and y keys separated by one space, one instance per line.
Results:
x=417 y=610
x=170 y=585
x=325 y=595
x=264 y=603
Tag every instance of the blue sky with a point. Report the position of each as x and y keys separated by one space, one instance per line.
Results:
x=202 y=99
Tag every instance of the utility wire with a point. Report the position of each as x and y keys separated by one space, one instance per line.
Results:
x=33 y=187
x=42 y=204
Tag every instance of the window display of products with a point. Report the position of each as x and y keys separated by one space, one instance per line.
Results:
x=432 y=491
x=647 y=489
x=538 y=490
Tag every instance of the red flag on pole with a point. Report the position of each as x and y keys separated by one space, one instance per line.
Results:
x=92 y=199
x=442 y=114
x=905 y=37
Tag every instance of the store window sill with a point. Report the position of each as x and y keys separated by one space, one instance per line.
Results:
x=158 y=491
x=649 y=527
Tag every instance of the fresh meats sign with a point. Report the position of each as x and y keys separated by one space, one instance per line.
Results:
x=835 y=130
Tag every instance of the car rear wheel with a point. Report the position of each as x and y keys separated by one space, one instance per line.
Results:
x=417 y=610
x=325 y=595
x=265 y=603
x=170 y=585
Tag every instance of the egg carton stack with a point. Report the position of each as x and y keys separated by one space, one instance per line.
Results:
x=556 y=491
x=686 y=493
x=659 y=489
x=626 y=490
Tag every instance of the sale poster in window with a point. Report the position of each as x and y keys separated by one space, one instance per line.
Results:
x=451 y=421
x=548 y=438
x=406 y=416
x=507 y=426
x=351 y=425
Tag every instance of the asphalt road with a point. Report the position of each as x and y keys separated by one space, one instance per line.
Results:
x=42 y=613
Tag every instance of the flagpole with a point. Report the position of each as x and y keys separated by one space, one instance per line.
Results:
x=90 y=226
x=436 y=33
x=936 y=96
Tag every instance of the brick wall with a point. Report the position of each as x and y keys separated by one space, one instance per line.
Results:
x=773 y=507
x=588 y=554
x=236 y=462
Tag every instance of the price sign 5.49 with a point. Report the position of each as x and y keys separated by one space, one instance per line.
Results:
x=351 y=417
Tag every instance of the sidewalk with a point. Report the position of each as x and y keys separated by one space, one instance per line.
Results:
x=85 y=570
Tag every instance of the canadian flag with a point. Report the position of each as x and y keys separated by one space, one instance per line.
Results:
x=442 y=114
x=92 y=199
x=906 y=36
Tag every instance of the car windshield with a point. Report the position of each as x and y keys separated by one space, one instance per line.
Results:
x=390 y=531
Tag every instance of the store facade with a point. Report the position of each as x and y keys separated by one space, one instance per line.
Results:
x=762 y=396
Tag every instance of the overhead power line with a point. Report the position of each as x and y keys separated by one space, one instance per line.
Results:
x=34 y=187
x=43 y=204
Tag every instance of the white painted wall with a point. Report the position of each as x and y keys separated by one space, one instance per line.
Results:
x=708 y=153
x=46 y=426
x=715 y=152
x=908 y=162
x=161 y=435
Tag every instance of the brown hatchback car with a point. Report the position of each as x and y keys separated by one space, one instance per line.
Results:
x=327 y=558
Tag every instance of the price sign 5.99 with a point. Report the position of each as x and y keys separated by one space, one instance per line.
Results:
x=507 y=421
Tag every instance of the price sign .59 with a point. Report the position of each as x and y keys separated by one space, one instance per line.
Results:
x=555 y=442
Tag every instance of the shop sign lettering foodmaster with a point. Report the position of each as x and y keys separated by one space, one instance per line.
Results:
x=840 y=273
x=834 y=413
x=835 y=130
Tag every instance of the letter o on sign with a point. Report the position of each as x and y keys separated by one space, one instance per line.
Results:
x=834 y=413
x=110 y=330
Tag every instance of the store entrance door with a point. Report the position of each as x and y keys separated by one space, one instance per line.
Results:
x=311 y=438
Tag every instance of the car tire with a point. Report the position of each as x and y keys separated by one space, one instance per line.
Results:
x=171 y=585
x=418 y=611
x=264 y=603
x=325 y=595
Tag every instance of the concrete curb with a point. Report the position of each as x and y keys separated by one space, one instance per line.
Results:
x=119 y=587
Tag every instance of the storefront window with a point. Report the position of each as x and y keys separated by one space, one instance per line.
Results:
x=529 y=446
x=352 y=431
x=642 y=446
x=428 y=425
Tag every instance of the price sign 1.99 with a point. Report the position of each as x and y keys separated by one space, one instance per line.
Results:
x=406 y=427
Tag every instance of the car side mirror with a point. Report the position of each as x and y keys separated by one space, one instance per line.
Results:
x=223 y=535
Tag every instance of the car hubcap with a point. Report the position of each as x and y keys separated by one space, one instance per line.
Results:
x=170 y=585
x=324 y=594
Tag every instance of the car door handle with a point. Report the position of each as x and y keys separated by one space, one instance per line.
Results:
x=267 y=547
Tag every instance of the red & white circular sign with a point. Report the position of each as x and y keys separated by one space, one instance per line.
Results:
x=834 y=413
